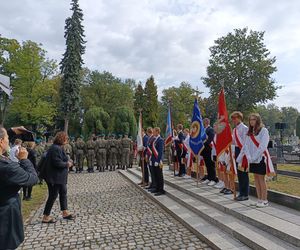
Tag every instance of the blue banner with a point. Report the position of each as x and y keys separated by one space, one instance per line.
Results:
x=169 y=131
x=197 y=133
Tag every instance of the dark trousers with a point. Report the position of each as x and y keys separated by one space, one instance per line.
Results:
x=152 y=173
x=210 y=165
x=180 y=159
x=53 y=191
x=159 y=179
x=243 y=178
x=27 y=192
x=146 y=172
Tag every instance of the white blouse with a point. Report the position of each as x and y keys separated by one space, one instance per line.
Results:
x=253 y=153
x=242 y=131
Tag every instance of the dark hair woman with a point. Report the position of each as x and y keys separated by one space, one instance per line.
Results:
x=13 y=175
x=55 y=174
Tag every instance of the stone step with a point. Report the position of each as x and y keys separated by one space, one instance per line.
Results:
x=210 y=234
x=278 y=221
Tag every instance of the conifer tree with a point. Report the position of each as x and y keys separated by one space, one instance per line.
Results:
x=71 y=64
x=150 y=110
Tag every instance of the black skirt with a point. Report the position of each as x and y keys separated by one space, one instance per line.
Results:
x=258 y=168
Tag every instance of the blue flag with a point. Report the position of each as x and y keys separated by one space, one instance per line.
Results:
x=198 y=135
x=169 y=131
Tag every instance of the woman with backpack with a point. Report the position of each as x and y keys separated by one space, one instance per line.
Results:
x=55 y=172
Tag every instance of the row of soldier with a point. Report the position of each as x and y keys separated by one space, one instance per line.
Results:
x=107 y=153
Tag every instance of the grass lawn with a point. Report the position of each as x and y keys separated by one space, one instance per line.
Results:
x=284 y=184
x=38 y=197
x=289 y=167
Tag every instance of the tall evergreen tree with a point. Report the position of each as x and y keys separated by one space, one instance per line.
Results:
x=150 y=110
x=139 y=100
x=71 y=64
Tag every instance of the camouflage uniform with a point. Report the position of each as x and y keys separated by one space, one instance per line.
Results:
x=39 y=149
x=72 y=143
x=131 y=153
x=90 y=147
x=80 y=151
x=68 y=150
x=120 y=152
x=113 y=151
x=101 y=153
x=126 y=145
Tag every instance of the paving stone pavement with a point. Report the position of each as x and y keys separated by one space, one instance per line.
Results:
x=111 y=214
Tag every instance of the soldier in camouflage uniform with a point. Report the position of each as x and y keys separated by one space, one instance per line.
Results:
x=120 y=151
x=72 y=143
x=80 y=152
x=113 y=151
x=49 y=143
x=39 y=149
x=131 y=157
x=126 y=145
x=101 y=153
x=90 y=149
x=68 y=150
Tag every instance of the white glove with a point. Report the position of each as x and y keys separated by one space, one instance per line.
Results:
x=156 y=164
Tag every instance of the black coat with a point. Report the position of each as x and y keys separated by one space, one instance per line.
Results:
x=56 y=169
x=207 y=145
x=32 y=156
x=13 y=176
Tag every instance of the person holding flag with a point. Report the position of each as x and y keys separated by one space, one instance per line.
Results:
x=181 y=150
x=223 y=144
x=156 y=161
x=239 y=134
x=146 y=137
x=197 y=133
x=211 y=178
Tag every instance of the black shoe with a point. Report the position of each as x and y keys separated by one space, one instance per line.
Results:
x=204 y=178
x=153 y=191
x=28 y=198
x=227 y=191
x=223 y=190
x=242 y=198
x=159 y=193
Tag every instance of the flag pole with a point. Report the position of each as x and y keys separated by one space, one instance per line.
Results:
x=197 y=170
x=232 y=175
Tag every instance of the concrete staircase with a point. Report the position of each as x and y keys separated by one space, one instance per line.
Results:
x=220 y=221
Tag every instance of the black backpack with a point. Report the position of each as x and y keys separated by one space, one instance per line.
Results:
x=40 y=168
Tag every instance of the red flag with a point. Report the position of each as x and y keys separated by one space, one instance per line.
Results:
x=222 y=127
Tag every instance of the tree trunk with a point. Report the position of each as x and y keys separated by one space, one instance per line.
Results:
x=66 y=127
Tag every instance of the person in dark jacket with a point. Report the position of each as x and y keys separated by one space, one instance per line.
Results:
x=181 y=150
x=13 y=175
x=211 y=178
x=55 y=173
x=32 y=157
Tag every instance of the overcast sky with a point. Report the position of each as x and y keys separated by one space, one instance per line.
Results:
x=168 y=39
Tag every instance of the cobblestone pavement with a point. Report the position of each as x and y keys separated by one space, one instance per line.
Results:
x=111 y=214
